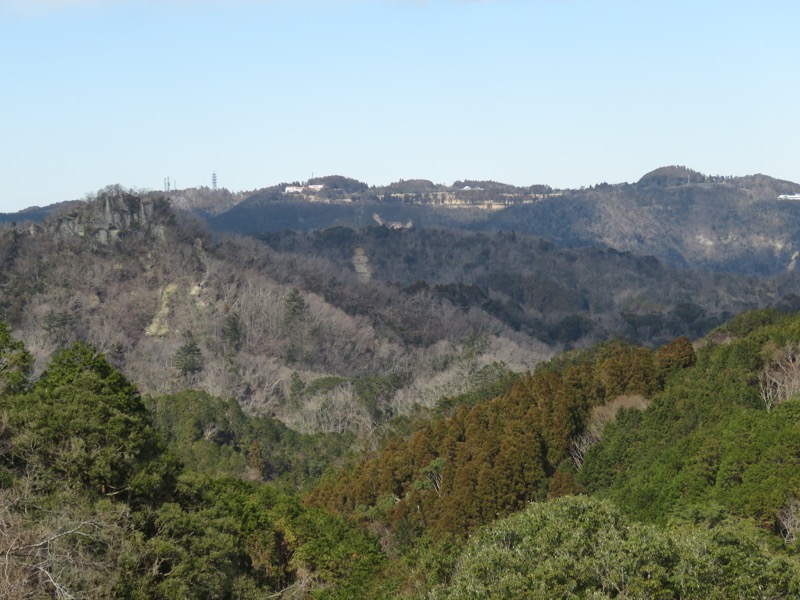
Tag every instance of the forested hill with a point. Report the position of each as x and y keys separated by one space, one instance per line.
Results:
x=337 y=330
x=685 y=218
x=687 y=461
x=612 y=472
x=395 y=412
x=682 y=217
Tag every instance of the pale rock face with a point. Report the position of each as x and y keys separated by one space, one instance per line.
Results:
x=160 y=325
x=111 y=216
x=793 y=263
x=393 y=225
x=361 y=265
x=705 y=240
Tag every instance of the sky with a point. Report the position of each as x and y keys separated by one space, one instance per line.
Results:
x=559 y=92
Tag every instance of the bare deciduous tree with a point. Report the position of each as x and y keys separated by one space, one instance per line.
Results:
x=789 y=520
x=580 y=443
x=68 y=552
x=598 y=419
x=780 y=378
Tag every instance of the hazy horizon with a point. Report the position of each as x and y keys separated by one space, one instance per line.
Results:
x=566 y=94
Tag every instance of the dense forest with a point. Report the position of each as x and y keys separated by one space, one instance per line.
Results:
x=611 y=472
x=287 y=323
x=684 y=218
x=368 y=413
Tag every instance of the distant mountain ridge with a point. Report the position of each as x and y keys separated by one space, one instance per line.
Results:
x=289 y=322
x=681 y=216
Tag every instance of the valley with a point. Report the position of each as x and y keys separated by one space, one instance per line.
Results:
x=281 y=394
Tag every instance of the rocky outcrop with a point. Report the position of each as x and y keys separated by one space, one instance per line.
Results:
x=159 y=327
x=111 y=215
x=395 y=225
x=361 y=265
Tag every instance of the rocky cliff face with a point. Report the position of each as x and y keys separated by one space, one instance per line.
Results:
x=111 y=215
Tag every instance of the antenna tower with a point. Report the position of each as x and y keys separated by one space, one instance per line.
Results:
x=166 y=184
x=214 y=180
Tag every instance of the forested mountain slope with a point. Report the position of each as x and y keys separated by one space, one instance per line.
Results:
x=94 y=504
x=410 y=413
x=684 y=218
x=286 y=335
x=491 y=459
x=552 y=293
x=692 y=453
x=733 y=224
x=337 y=330
x=696 y=453
x=720 y=440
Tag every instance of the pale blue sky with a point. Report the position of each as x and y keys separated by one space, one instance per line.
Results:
x=562 y=92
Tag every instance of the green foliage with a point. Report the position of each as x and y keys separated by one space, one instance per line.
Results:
x=583 y=548
x=16 y=363
x=84 y=457
x=491 y=381
x=215 y=437
x=296 y=388
x=490 y=459
x=93 y=504
x=84 y=422
x=232 y=333
x=59 y=326
x=83 y=365
x=674 y=356
x=294 y=307
x=376 y=392
x=707 y=439
x=748 y=322
x=334 y=551
x=324 y=385
x=220 y=536
x=188 y=358
x=209 y=435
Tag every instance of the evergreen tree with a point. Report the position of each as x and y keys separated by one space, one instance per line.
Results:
x=188 y=358
x=232 y=333
x=294 y=306
x=16 y=363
